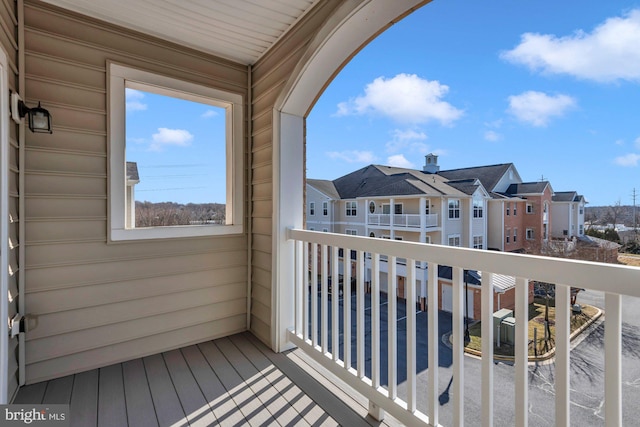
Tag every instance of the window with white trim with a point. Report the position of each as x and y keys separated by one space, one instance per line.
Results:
x=508 y=205
x=372 y=207
x=312 y=208
x=454 y=209
x=478 y=208
x=427 y=207
x=398 y=208
x=507 y=236
x=173 y=156
x=325 y=230
x=530 y=234
x=351 y=208
x=515 y=209
x=351 y=232
x=325 y=208
x=478 y=242
x=454 y=240
x=529 y=208
x=515 y=233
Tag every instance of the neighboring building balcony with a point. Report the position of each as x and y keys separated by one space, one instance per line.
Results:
x=371 y=342
x=402 y=220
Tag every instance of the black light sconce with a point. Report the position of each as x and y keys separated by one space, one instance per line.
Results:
x=38 y=119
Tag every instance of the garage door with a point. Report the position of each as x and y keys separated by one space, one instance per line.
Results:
x=447 y=299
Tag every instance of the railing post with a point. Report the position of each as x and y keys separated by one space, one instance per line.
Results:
x=335 y=307
x=314 y=294
x=360 y=315
x=562 y=355
x=434 y=341
x=612 y=360
x=324 y=297
x=410 y=294
x=392 y=327
x=487 y=349
x=521 y=351
x=458 y=347
x=346 y=307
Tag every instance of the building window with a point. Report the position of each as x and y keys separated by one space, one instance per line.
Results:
x=427 y=239
x=351 y=208
x=454 y=240
x=508 y=207
x=581 y=229
x=325 y=208
x=544 y=231
x=312 y=208
x=130 y=90
x=351 y=232
x=515 y=209
x=426 y=207
x=397 y=208
x=325 y=230
x=454 y=209
x=386 y=209
x=372 y=234
x=478 y=207
x=372 y=207
x=508 y=236
x=515 y=232
x=581 y=210
x=529 y=208
x=530 y=234
x=478 y=242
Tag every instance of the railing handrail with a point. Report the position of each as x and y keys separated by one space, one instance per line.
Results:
x=610 y=278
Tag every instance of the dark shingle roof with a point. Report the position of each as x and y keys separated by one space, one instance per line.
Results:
x=489 y=176
x=132 y=171
x=467 y=186
x=567 y=196
x=527 y=188
x=324 y=186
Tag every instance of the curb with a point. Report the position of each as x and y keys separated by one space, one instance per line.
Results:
x=446 y=339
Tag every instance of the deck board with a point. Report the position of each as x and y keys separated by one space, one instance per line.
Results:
x=112 y=409
x=228 y=382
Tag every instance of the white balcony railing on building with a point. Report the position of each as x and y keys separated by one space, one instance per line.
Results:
x=316 y=312
x=402 y=220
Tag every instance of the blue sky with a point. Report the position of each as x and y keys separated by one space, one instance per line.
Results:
x=552 y=86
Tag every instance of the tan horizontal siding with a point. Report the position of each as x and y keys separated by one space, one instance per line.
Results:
x=99 y=303
x=143 y=346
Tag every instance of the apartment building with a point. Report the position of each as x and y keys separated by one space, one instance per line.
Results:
x=567 y=210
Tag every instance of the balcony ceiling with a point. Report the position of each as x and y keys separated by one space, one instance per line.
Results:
x=239 y=30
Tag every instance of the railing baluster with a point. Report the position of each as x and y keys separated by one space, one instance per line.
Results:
x=346 y=307
x=434 y=342
x=612 y=360
x=305 y=291
x=562 y=355
x=521 y=351
x=487 y=349
x=458 y=346
x=360 y=314
x=324 y=315
x=375 y=321
x=335 y=300
x=314 y=294
x=299 y=286
x=392 y=327
x=410 y=294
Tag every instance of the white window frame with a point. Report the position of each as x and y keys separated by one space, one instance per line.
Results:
x=351 y=206
x=122 y=77
x=478 y=208
x=454 y=237
x=508 y=208
x=508 y=236
x=478 y=242
x=395 y=208
x=325 y=208
x=530 y=234
x=351 y=232
x=515 y=235
x=312 y=208
x=455 y=208
x=372 y=207
x=529 y=208
x=515 y=209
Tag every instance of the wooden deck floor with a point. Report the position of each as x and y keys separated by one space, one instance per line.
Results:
x=230 y=381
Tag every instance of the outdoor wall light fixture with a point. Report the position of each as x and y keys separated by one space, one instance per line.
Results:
x=38 y=119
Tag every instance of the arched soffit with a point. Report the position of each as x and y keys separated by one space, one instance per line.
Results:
x=351 y=27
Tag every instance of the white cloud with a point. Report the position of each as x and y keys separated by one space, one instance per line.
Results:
x=628 y=160
x=405 y=98
x=209 y=113
x=399 y=161
x=537 y=108
x=637 y=143
x=409 y=138
x=609 y=53
x=493 y=136
x=134 y=100
x=167 y=137
x=352 y=156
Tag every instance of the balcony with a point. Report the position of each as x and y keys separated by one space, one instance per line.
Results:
x=384 y=348
x=402 y=220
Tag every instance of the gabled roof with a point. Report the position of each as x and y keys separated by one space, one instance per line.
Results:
x=324 y=186
x=528 y=188
x=489 y=175
x=132 y=171
x=387 y=181
x=467 y=186
x=567 y=196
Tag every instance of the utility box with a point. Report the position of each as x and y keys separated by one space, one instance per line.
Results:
x=508 y=330
x=498 y=317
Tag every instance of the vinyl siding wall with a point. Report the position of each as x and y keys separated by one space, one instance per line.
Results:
x=269 y=77
x=9 y=42
x=96 y=302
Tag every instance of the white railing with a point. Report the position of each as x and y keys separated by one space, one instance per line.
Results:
x=313 y=334
x=402 y=220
